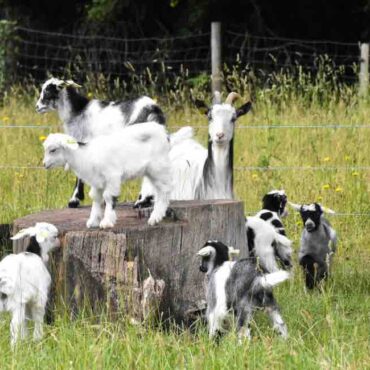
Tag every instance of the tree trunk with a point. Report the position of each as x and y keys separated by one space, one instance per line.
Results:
x=107 y=268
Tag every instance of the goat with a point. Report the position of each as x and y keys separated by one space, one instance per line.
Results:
x=273 y=207
x=25 y=280
x=238 y=288
x=84 y=119
x=201 y=173
x=108 y=160
x=318 y=243
x=263 y=239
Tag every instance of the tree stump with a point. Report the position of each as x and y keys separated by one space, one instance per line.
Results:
x=107 y=267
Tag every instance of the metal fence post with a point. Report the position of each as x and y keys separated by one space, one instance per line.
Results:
x=216 y=56
x=364 y=69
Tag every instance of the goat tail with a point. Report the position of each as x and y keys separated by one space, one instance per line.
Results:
x=268 y=281
x=281 y=239
x=183 y=134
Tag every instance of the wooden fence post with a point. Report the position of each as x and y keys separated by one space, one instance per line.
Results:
x=364 y=69
x=216 y=56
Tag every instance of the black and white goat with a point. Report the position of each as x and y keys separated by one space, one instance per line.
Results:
x=200 y=173
x=318 y=243
x=25 y=280
x=84 y=119
x=238 y=288
x=273 y=209
x=263 y=242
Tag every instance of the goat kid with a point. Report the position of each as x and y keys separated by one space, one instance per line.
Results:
x=25 y=280
x=318 y=243
x=263 y=242
x=109 y=160
x=238 y=288
x=201 y=173
x=273 y=209
x=84 y=118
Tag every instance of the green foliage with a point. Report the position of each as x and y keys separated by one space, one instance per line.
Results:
x=7 y=51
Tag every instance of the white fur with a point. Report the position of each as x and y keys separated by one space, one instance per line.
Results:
x=25 y=282
x=265 y=235
x=188 y=159
x=109 y=160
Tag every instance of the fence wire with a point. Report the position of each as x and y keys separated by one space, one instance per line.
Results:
x=42 y=52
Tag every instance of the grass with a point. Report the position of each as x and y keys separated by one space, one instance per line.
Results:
x=327 y=330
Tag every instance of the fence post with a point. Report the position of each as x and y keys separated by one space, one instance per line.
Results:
x=364 y=69
x=216 y=56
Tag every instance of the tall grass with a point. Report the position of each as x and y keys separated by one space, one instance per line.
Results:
x=327 y=330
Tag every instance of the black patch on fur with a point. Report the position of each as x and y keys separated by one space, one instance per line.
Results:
x=78 y=102
x=266 y=215
x=33 y=246
x=276 y=223
x=104 y=103
x=274 y=202
x=114 y=202
x=154 y=112
x=315 y=216
x=51 y=92
x=222 y=251
x=145 y=203
x=3 y=296
x=250 y=239
x=314 y=270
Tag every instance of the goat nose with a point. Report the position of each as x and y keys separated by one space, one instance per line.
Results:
x=220 y=135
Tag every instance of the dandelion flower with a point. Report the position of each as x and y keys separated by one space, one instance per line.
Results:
x=254 y=176
x=326 y=186
x=90 y=95
x=338 y=189
x=42 y=137
x=319 y=198
x=5 y=118
x=326 y=159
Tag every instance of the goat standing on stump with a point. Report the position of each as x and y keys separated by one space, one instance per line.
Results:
x=84 y=119
x=318 y=243
x=273 y=209
x=25 y=280
x=238 y=288
x=200 y=173
x=109 y=160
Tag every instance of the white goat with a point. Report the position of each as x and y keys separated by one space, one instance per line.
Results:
x=238 y=288
x=107 y=161
x=200 y=173
x=262 y=239
x=84 y=119
x=25 y=280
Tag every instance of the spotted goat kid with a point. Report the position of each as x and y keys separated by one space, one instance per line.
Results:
x=238 y=288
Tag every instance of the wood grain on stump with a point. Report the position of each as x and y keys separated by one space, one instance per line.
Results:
x=107 y=267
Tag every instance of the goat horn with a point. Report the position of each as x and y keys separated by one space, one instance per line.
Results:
x=327 y=210
x=232 y=97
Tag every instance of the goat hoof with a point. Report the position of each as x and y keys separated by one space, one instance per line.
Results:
x=73 y=203
x=92 y=223
x=106 y=224
x=154 y=220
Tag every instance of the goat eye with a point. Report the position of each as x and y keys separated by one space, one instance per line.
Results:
x=53 y=151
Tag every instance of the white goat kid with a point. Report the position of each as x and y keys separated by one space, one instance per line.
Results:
x=84 y=118
x=109 y=160
x=25 y=280
x=201 y=173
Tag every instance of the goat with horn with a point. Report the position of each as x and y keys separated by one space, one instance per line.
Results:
x=200 y=173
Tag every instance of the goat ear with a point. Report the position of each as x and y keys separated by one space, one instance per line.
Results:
x=244 y=109
x=30 y=231
x=201 y=105
x=295 y=206
x=70 y=143
x=72 y=84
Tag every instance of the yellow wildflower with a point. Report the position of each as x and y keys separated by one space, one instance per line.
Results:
x=338 y=189
x=355 y=174
x=42 y=137
x=347 y=158
x=326 y=187
x=326 y=159
x=319 y=198
x=254 y=176
x=5 y=118
x=90 y=95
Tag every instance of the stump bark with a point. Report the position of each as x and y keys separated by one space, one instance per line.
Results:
x=107 y=268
